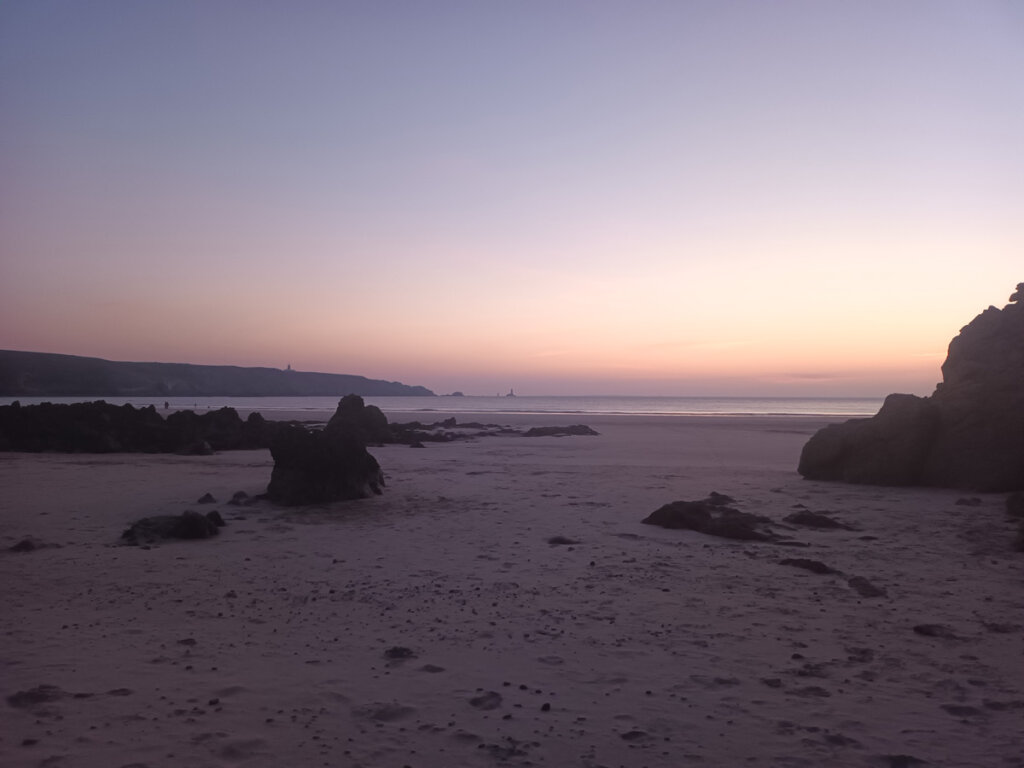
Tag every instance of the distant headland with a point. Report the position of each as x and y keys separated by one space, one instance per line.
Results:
x=38 y=374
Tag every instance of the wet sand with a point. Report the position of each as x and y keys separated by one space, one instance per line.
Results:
x=438 y=625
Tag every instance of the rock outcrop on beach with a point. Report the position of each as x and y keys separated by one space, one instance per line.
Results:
x=187 y=525
x=712 y=517
x=968 y=434
x=365 y=422
x=100 y=427
x=332 y=464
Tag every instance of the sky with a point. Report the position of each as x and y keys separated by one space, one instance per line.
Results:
x=651 y=198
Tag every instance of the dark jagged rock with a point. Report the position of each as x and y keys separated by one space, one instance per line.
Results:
x=312 y=467
x=187 y=525
x=968 y=434
x=890 y=448
x=814 y=566
x=573 y=429
x=99 y=427
x=206 y=498
x=221 y=430
x=84 y=428
x=712 y=520
x=367 y=423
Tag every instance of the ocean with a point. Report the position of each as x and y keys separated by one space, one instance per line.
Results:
x=522 y=404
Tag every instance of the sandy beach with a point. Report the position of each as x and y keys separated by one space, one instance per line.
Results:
x=501 y=604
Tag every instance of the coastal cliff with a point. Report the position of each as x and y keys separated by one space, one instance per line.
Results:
x=36 y=374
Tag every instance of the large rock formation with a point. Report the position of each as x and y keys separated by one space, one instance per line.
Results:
x=367 y=422
x=100 y=427
x=316 y=466
x=968 y=434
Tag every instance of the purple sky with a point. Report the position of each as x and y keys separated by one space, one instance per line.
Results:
x=575 y=197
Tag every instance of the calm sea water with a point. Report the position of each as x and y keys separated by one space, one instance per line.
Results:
x=710 y=406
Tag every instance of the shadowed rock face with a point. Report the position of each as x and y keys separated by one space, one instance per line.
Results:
x=890 y=448
x=99 y=427
x=366 y=422
x=968 y=434
x=312 y=467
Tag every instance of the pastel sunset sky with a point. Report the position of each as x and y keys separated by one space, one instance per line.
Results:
x=678 y=198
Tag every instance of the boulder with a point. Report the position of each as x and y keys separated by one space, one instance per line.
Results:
x=890 y=448
x=367 y=423
x=712 y=519
x=187 y=525
x=316 y=466
x=968 y=434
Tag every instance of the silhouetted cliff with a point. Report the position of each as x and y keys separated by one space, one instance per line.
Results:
x=968 y=434
x=36 y=374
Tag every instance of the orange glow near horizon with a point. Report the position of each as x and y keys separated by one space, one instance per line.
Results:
x=802 y=198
